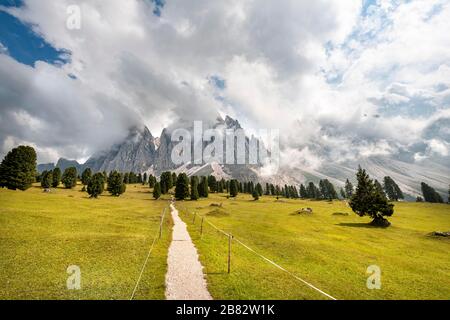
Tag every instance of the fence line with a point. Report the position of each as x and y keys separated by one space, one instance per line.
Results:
x=265 y=258
x=158 y=235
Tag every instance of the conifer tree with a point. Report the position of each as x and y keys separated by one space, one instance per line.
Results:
x=18 y=169
x=96 y=185
x=255 y=195
x=86 y=176
x=116 y=186
x=69 y=178
x=203 y=189
x=157 y=191
x=46 y=179
x=259 y=189
x=430 y=195
x=233 y=188
x=392 y=189
x=367 y=200
x=348 y=189
x=56 y=177
x=194 y=188
x=182 y=187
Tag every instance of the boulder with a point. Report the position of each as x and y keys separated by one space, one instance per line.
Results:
x=441 y=234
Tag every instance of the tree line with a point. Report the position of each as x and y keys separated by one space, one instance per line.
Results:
x=18 y=172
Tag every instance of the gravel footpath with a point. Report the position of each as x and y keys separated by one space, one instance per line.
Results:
x=184 y=278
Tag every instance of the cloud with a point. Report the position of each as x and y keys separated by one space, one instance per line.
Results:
x=340 y=81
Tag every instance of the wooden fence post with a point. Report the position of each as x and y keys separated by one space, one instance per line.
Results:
x=230 y=237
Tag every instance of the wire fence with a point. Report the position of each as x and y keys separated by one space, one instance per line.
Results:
x=241 y=243
x=155 y=239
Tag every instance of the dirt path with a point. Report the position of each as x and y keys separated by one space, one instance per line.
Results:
x=184 y=278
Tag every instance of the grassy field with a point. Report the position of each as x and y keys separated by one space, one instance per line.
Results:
x=332 y=252
x=108 y=238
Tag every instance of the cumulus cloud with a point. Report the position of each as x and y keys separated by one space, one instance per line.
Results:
x=340 y=80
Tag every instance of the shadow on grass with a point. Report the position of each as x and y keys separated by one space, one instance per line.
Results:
x=357 y=225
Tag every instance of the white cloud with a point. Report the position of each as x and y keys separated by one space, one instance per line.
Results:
x=337 y=84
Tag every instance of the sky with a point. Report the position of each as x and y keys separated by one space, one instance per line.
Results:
x=340 y=79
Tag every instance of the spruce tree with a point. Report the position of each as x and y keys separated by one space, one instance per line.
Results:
x=430 y=195
x=367 y=200
x=116 y=186
x=348 y=189
x=157 y=191
x=220 y=186
x=56 y=175
x=233 y=188
x=182 y=187
x=46 y=179
x=18 y=169
x=194 y=188
x=259 y=189
x=86 y=176
x=379 y=188
x=69 y=178
x=255 y=195
x=96 y=185
x=303 y=192
x=343 y=195
x=392 y=189
x=212 y=184
x=144 y=179
x=151 y=181
x=203 y=189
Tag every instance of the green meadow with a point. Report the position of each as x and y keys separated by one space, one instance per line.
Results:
x=328 y=249
x=42 y=234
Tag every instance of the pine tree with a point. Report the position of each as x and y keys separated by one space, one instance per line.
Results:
x=182 y=187
x=144 y=179
x=203 y=189
x=392 y=189
x=430 y=195
x=272 y=189
x=259 y=189
x=157 y=191
x=312 y=191
x=194 y=188
x=96 y=185
x=303 y=192
x=343 y=195
x=255 y=195
x=233 y=188
x=18 y=169
x=86 y=176
x=47 y=179
x=220 y=186
x=174 y=179
x=166 y=182
x=116 y=186
x=151 y=181
x=379 y=188
x=212 y=184
x=69 y=178
x=56 y=175
x=348 y=189
x=367 y=200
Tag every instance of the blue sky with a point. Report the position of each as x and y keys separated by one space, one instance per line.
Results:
x=22 y=43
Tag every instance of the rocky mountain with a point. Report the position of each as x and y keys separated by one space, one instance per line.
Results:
x=141 y=152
